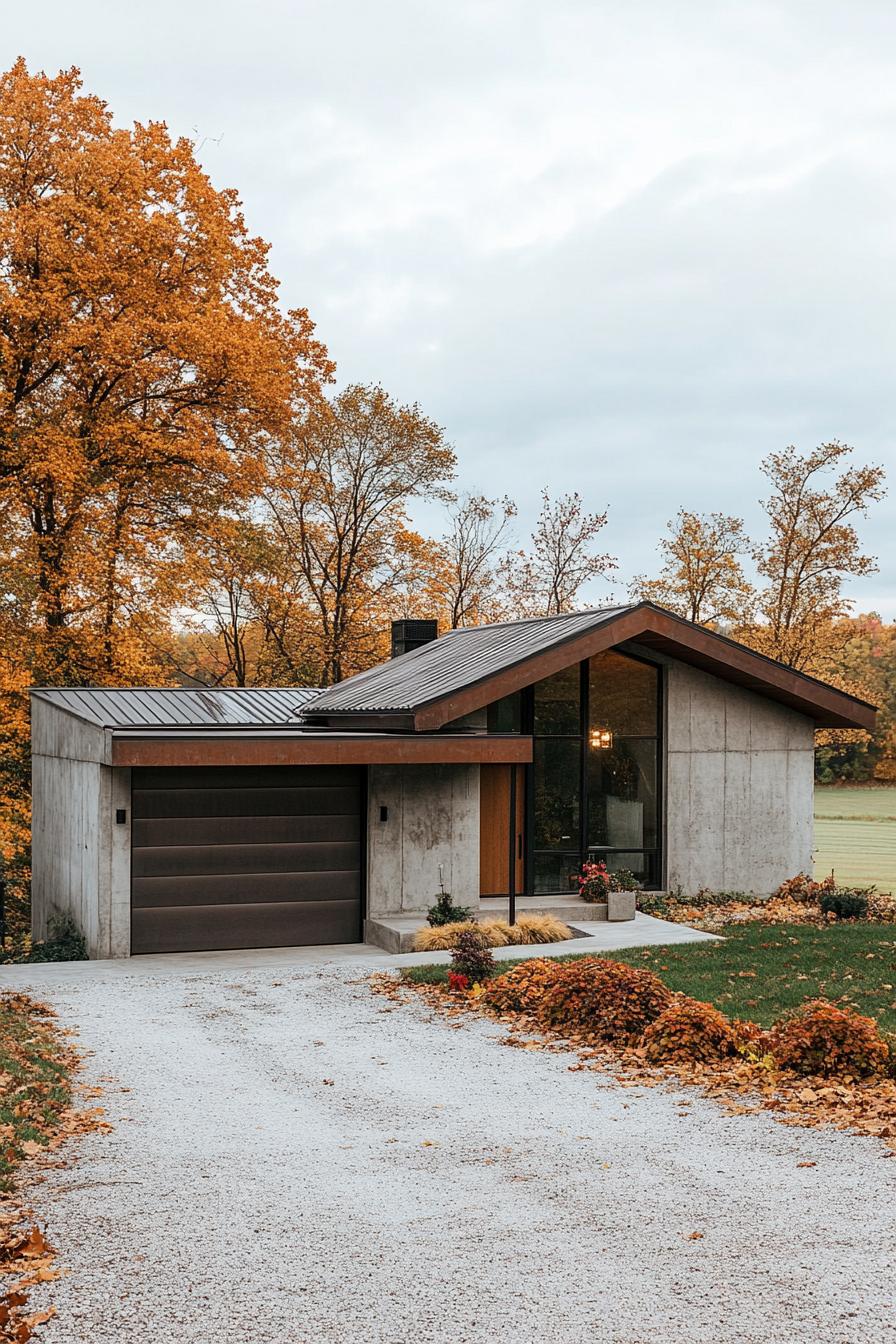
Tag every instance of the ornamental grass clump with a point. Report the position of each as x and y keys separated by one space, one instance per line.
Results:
x=443 y=937
x=472 y=956
x=496 y=932
x=830 y=1042
x=606 y=1000
x=540 y=929
x=689 y=1032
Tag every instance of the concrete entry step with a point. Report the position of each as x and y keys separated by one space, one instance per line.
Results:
x=395 y=933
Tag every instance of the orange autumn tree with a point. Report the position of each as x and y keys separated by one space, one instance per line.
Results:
x=336 y=504
x=144 y=362
x=145 y=367
x=702 y=577
x=815 y=502
x=546 y=579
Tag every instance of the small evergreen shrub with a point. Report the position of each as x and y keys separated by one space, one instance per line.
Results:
x=843 y=903
x=820 y=1038
x=471 y=956
x=608 y=999
x=444 y=911
x=689 y=1032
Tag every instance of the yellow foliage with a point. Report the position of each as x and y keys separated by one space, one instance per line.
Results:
x=528 y=929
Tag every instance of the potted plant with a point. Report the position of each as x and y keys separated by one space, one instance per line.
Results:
x=622 y=900
x=594 y=883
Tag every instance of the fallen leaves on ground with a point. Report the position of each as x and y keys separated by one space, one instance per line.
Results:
x=39 y=1110
x=741 y=1086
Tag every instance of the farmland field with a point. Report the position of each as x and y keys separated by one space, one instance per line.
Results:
x=855 y=835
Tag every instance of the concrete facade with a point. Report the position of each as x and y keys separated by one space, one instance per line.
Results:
x=81 y=859
x=737 y=799
x=433 y=818
x=739 y=784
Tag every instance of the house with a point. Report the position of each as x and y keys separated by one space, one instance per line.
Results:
x=500 y=757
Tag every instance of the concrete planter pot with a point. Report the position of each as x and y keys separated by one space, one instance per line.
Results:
x=621 y=905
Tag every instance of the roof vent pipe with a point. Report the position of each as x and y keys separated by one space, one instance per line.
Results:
x=408 y=635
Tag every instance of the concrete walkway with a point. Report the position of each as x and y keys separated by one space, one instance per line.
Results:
x=601 y=936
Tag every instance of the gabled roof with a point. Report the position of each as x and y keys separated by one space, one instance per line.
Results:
x=150 y=707
x=466 y=669
x=456 y=659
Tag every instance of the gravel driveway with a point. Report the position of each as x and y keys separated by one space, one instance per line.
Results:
x=297 y=1160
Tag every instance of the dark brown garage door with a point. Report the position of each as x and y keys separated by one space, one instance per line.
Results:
x=245 y=857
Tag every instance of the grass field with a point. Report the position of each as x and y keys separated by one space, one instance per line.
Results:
x=855 y=835
x=763 y=970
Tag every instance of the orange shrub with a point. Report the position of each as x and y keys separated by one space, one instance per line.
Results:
x=803 y=889
x=749 y=1039
x=822 y=1039
x=520 y=989
x=689 y=1031
x=608 y=999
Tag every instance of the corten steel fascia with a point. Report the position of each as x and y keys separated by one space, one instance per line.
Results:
x=362 y=750
x=828 y=707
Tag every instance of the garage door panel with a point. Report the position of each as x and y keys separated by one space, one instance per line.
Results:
x=186 y=860
x=217 y=927
x=246 y=888
x=310 y=800
x=243 y=857
x=169 y=831
x=176 y=777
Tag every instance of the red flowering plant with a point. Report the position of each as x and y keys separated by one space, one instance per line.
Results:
x=457 y=982
x=594 y=882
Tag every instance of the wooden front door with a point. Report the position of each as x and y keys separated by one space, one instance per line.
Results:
x=494 y=830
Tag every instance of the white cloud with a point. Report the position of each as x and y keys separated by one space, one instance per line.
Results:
x=625 y=248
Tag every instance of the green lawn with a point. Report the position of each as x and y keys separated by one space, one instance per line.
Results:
x=855 y=835
x=762 y=970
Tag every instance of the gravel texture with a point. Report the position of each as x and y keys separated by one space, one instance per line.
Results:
x=296 y=1160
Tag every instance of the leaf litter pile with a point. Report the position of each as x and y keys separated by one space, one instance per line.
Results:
x=742 y=1083
x=38 y=1112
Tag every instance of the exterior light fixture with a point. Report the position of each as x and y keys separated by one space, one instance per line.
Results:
x=601 y=739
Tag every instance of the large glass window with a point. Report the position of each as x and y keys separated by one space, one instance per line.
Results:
x=595 y=774
x=621 y=764
x=556 y=767
x=558 y=703
x=504 y=716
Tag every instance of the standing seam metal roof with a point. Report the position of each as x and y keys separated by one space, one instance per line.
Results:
x=176 y=707
x=457 y=659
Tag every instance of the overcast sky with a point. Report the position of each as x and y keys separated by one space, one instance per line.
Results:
x=626 y=248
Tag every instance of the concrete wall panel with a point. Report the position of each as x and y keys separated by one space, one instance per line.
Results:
x=81 y=860
x=433 y=819
x=739 y=786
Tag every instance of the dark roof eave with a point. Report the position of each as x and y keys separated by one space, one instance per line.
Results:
x=827 y=706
